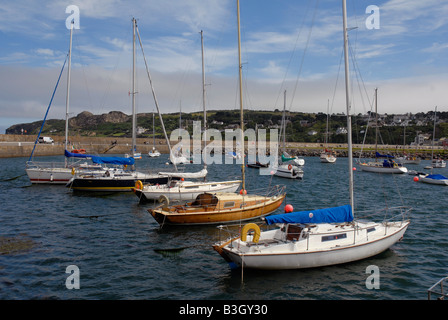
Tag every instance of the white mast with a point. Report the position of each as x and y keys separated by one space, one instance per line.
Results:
x=203 y=99
x=134 y=140
x=67 y=98
x=348 y=102
x=241 y=94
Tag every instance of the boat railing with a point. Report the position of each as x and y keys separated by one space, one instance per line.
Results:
x=389 y=213
x=272 y=191
x=438 y=289
x=54 y=164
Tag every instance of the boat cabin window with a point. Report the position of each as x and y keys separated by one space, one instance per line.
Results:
x=293 y=232
x=334 y=237
x=371 y=229
x=229 y=204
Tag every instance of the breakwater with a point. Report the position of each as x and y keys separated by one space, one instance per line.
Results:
x=22 y=146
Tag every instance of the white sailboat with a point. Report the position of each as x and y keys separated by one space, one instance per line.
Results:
x=434 y=178
x=120 y=179
x=180 y=190
x=62 y=171
x=435 y=163
x=314 y=238
x=327 y=156
x=407 y=158
x=187 y=190
x=288 y=166
x=153 y=153
x=382 y=163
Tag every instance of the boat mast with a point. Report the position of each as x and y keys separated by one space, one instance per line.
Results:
x=241 y=93
x=153 y=133
x=328 y=115
x=348 y=105
x=376 y=121
x=134 y=143
x=203 y=98
x=433 y=137
x=284 y=121
x=67 y=98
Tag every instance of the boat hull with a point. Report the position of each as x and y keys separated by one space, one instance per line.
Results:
x=184 y=192
x=217 y=216
x=424 y=179
x=380 y=169
x=293 y=173
x=114 y=184
x=325 y=158
x=303 y=259
x=49 y=175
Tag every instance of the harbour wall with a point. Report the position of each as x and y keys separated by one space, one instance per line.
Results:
x=22 y=146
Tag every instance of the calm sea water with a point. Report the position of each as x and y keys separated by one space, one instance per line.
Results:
x=113 y=240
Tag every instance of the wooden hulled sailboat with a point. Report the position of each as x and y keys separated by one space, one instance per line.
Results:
x=314 y=238
x=217 y=208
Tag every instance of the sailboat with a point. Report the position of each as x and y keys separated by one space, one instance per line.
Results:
x=435 y=163
x=327 y=156
x=407 y=158
x=124 y=177
x=186 y=190
x=58 y=172
x=288 y=166
x=314 y=238
x=434 y=178
x=154 y=153
x=223 y=207
x=383 y=163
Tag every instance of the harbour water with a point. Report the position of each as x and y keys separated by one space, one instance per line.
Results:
x=114 y=242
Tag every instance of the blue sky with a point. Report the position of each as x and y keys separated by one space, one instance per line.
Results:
x=286 y=45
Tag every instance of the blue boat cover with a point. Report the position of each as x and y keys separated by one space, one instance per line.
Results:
x=113 y=160
x=436 y=177
x=327 y=215
x=97 y=159
x=379 y=155
x=76 y=155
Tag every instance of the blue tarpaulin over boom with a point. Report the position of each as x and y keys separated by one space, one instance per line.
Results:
x=113 y=160
x=76 y=155
x=327 y=215
x=379 y=155
x=436 y=177
x=108 y=160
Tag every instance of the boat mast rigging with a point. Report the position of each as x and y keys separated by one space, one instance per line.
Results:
x=348 y=105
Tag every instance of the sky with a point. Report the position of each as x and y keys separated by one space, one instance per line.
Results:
x=397 y=46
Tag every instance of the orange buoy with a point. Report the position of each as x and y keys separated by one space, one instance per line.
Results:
x=289 y=208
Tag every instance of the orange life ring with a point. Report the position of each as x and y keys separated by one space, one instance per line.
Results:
x=289 y=167
x=138 y=185
x=247 y=228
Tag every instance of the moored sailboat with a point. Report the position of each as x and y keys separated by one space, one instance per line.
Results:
x=59 y=172
x=220 y=207
x=382 y=163
x=314 y=238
